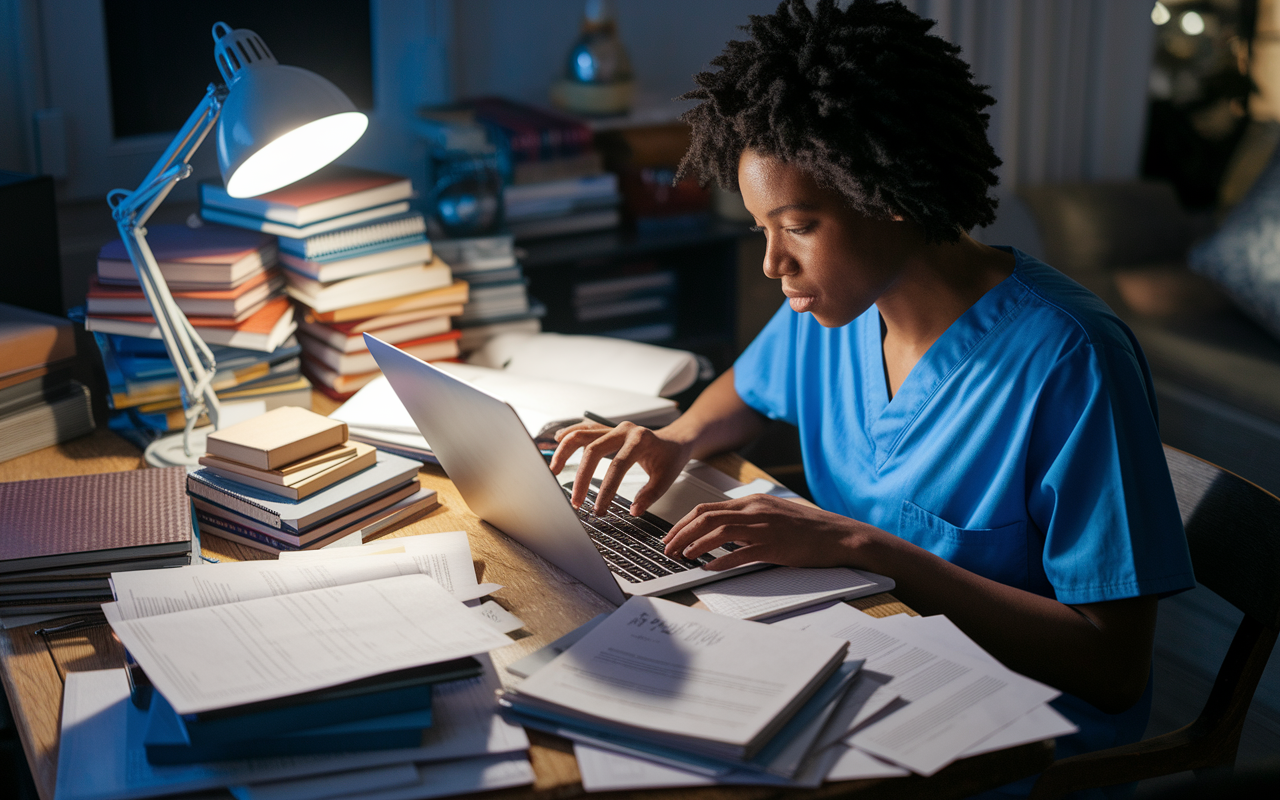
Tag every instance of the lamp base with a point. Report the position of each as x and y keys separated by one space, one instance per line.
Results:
x=168 y=452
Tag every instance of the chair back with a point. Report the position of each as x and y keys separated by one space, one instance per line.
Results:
x=1233 y=530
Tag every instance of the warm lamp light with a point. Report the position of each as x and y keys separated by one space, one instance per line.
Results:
x=275 y=125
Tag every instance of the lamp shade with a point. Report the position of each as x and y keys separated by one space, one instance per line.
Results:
x=278 y=123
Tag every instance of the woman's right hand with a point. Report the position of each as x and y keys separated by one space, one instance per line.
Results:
x=628 y=444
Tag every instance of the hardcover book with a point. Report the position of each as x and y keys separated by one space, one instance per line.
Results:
x=277 y=438
x=330 y=192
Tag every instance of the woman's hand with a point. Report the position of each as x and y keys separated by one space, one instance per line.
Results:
x=629 y=444
x=771 y=530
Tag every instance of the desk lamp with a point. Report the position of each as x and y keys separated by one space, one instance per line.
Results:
x=276 y=125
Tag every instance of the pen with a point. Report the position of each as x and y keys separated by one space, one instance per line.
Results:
x=597 y=418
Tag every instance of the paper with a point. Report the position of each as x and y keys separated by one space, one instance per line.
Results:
x=852 y=765
x=953 y=701
x=681 y=672
x=230 y=655
x=101 y=755
x=613 y=363
x=445 y=556
x=336 y=785
x=146 y=593
x=499 y=617
x=762 y=486
x=608 y=771
x=464 y=776
x=780 y=589
x=545 y=655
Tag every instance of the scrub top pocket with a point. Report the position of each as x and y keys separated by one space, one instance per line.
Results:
x=996 y=553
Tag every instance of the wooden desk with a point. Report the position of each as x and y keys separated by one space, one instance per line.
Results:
x=548 y=600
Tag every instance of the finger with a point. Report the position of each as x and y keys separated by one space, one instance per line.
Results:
x=622 y=461
x=605 y=445
x=655 y=488
x=585 y=425
x=743 y=555
x=571 y=442
x=692 y=525
x=717 y=537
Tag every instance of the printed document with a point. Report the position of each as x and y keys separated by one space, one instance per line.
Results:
x=775 y=591
x=445 y=556
x=254 y=650
x=953 y=701
x=658 y=666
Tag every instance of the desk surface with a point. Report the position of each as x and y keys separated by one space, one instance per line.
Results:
x=548 y=601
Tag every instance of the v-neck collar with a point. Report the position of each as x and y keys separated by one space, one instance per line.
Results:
x=888 y=420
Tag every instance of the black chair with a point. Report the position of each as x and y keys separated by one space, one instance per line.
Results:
x=1233 y=529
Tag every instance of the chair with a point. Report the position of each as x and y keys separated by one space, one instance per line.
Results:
x=1233 y=529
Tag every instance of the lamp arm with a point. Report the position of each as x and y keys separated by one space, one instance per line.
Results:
x=191 y=357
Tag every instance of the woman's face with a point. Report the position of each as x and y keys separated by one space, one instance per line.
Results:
x=833 y=261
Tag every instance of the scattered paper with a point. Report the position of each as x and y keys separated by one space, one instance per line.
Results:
x=762 y=486
x=953 y=701
x=322 y=787
x=765 y=593
x=230 y=655
x=852 y=765
x=501 y=618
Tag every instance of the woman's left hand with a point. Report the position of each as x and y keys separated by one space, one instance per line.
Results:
x=771 y=530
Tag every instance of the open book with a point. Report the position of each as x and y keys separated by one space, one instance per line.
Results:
x=595 y=360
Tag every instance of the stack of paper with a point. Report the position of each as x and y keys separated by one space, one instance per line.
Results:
x=926 y=696
x=329 y=654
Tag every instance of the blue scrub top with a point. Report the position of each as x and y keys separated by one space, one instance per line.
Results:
x=1023 y=447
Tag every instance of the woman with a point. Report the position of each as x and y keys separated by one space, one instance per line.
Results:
x=974 y=424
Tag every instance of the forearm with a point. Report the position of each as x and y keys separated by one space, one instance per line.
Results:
x=1100 y=652
x=717 y=421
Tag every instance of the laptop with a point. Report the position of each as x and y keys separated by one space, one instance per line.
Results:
x=488 y=454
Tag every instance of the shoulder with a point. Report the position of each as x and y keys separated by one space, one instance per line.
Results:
x=1054 y=307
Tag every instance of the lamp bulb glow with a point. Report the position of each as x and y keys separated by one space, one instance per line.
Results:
x=297 y=154
x=1160 y=14
x=1192 y=23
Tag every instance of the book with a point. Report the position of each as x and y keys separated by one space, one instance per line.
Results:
x=52 y=419
x=296 y=393
x=475 y=336
x=393 y=231
x=346 y=339
x=430 y=348
x=384 y=321
x=56 y=523
x=369 y=288
x=304 y=483
x=365 y=289
x=167 y=740
x=333 y=383
x=652 y=669
x=454 y=294
x=279 y=437
x=477 y=253
x=283 y=474
x=383 y=514
x=30 y=340
x=361 y=262
x=579 y=222
x=390 y=472
x=235 y=303
x=527 y=199
x=334 y=191
x=264 y=330
x=207 y=257
x=301 y=231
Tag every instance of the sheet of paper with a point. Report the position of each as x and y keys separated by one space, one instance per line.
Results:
x=953 y=701
x=146 y=593
x=659 y=666
x=608 y=771
x=445 y=556
x=1036 y=725
x=101 y=755
x=465 y=776
x=767 y=592
x=761 y=486
x=499 y=617
x=229 y=655
x=335 y=785
x=853 y=765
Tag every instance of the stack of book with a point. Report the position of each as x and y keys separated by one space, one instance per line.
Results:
x=61 y=538
x=227 y=282
x=355 y=259
x=289 y=480
x=557 y=182
x=499 y=299
x=40 y=404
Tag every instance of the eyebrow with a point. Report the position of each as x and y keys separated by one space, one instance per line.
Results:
x=792 y=207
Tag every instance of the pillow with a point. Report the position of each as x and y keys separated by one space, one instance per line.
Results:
x=1243 y=257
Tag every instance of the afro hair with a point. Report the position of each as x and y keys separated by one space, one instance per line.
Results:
x=865 y=99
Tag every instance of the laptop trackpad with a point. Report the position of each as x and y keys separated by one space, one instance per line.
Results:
x=683 y=495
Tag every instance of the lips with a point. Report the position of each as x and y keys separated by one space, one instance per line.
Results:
x=800 y=302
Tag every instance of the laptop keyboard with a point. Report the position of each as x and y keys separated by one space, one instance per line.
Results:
x=632 y=546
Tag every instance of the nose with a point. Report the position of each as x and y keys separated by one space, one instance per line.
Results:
x=777 y=261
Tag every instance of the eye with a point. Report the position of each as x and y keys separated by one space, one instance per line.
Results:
x=800 y=230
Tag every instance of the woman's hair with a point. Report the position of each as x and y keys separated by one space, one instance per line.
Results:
x=865 y=100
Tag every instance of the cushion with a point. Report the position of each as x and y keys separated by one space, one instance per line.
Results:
x=1243 y=257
